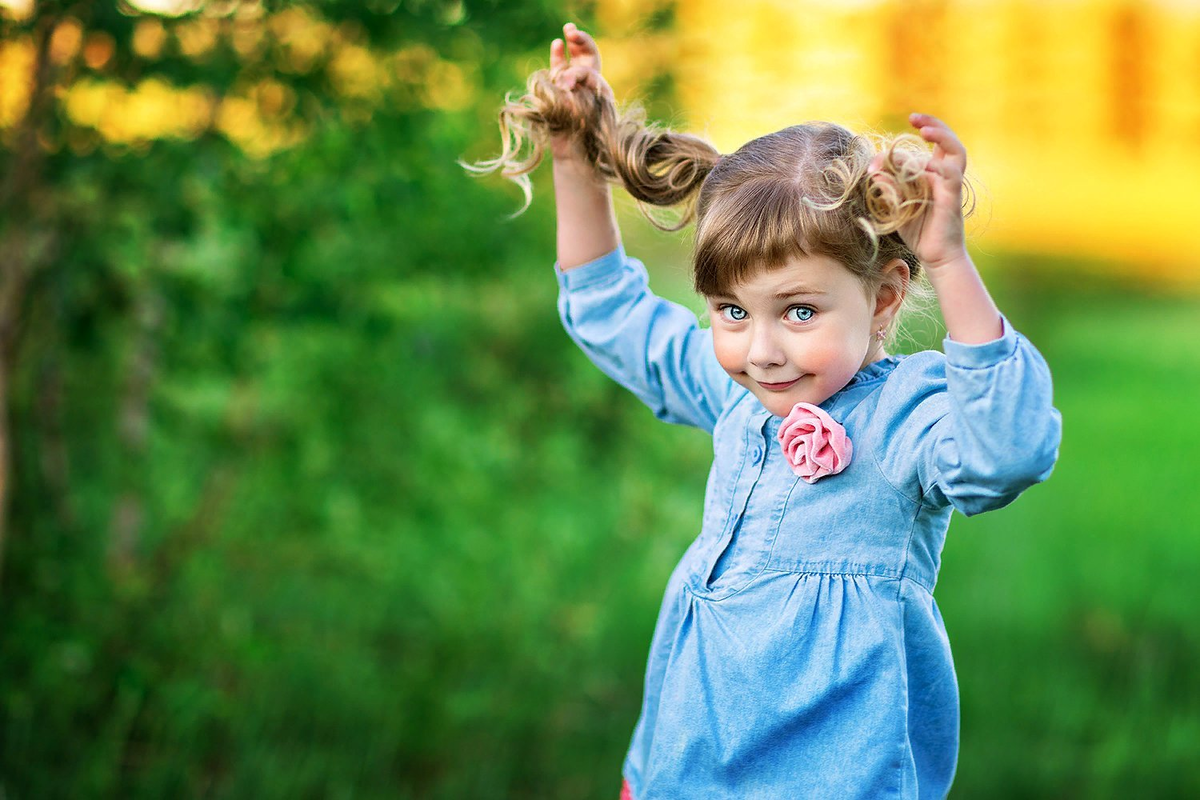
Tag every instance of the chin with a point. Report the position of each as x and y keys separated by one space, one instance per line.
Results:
x=782 y=404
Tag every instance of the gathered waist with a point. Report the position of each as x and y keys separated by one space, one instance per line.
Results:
x=853 y=569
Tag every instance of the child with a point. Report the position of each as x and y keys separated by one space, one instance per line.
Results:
x=798 y=651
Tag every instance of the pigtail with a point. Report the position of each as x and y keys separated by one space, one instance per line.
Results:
x=526 y=124
x=892 y=204
x=904 y=193
x=901 y=196
x=656 y=167
x=881 y=207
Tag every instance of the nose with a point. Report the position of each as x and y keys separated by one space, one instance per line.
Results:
x=765 y=351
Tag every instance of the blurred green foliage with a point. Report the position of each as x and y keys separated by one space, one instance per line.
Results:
x=394 y=537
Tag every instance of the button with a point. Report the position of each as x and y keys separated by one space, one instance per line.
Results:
x=756 y=455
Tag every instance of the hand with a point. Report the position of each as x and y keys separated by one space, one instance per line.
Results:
x=584 y=66
x=581 y=73
x=937 y=236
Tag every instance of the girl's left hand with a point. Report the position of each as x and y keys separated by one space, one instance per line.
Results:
x=937 y=236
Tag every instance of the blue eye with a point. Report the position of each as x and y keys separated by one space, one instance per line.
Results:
x=800 y=313
x=734 y=313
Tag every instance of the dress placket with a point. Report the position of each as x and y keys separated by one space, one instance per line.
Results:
x=730 y=555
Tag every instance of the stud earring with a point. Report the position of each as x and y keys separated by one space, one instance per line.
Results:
x=881 y=334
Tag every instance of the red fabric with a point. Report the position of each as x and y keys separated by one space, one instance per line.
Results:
x=625 y=793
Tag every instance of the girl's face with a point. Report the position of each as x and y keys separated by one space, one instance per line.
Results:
x=798 y=333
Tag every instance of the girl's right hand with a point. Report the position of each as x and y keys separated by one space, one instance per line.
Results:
x=579 y=74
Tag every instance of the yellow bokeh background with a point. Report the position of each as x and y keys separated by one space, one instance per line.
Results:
x=1081 y=117
x=256 y=115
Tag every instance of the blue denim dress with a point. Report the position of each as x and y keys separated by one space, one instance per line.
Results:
x=799 y=651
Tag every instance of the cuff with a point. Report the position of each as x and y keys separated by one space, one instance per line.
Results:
x=599 y=271
x=981 y=356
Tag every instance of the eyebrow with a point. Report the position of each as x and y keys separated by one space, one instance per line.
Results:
x=797 y=290
x=794 y=291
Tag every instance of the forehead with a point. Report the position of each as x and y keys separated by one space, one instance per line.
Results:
x=818 y=275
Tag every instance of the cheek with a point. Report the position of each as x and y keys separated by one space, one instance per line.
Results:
x=730 y=354
x=855 y=335
x=824 y=354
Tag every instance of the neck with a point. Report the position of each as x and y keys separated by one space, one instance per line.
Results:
x=877 y=353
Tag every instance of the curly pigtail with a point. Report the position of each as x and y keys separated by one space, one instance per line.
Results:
x=656 y=167
x=889 y=204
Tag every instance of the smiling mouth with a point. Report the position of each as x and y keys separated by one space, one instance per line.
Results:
x=777 y=387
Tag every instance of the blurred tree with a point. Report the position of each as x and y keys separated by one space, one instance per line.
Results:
x=212 y=227
x=107 y=111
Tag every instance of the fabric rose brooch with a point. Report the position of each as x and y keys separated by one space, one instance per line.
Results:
x=813 y=443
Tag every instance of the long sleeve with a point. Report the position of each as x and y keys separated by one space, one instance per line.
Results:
x=978 y=426
x=651 y=346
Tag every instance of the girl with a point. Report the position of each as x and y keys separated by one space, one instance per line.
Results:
x=798 y=651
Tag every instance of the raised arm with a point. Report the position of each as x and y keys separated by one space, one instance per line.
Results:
x=992 y=430
x=653 y=347
x=587 y=226
x=937 y=238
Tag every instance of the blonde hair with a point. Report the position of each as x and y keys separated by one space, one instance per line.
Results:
x=805 y=190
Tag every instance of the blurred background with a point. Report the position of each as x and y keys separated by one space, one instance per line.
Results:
x=305 y=493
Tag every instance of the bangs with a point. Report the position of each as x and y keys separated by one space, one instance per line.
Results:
x=758 y=226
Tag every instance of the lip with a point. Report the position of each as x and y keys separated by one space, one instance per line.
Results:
x=777 y=387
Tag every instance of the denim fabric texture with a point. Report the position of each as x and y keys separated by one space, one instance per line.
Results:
x=799 y=651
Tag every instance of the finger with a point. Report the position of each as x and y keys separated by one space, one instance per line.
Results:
x=582 y=46
x=558 y=55
x=945 y=139
x=579 y=39
x=947 y=146
x=918 y=119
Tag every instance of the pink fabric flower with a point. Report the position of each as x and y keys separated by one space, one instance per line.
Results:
x=813 y=443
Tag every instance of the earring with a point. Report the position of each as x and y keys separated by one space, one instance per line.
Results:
x=881 y=334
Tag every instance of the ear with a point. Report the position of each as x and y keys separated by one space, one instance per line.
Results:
x=892 y=289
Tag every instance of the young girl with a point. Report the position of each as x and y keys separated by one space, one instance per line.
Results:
x=798 y=651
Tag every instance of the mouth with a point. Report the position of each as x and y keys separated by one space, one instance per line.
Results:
x=777 y=387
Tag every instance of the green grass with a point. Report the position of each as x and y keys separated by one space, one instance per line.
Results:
x=1072 y=613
